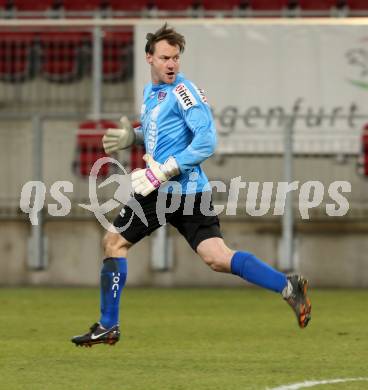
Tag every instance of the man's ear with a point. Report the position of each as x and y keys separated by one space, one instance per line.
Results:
x=149 y=58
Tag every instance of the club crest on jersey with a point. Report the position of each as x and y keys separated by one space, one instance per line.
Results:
x=161 y=96
x=185 y=97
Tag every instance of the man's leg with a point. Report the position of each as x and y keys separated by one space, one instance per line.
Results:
x=112 y=281
x=113 y=277
x=114 y=268
x=220 y=258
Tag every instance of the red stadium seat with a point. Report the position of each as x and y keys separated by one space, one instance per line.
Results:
x=358 y=5
x=117 y=55
x=268 y=5
x=17 y=61
x=128 y=5
x=81 y=5
x=4 y=4
x=37 y=6
x=61 y=55
x=171 y=5
x=220 y=4
x=90 y=149
x=316 y=5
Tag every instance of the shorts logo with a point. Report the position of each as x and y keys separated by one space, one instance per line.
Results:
x=161 y=96
x=185 y=97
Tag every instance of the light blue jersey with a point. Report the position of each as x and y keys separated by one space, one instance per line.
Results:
x=176 y=120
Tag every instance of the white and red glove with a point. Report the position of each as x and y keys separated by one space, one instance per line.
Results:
x=144 y=181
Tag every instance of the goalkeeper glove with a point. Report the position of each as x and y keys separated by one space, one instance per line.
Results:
x=144 y=181
x=116 y=139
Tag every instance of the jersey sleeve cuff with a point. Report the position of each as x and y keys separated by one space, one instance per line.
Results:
x=138 y=136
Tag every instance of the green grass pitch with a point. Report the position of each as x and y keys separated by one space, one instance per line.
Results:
x=182 y=339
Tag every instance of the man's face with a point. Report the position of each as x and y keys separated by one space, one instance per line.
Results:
x=164 y=63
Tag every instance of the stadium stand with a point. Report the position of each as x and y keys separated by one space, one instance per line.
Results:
x=170 y=5
x=117 y=55
x=17 y=61
x=81 y=5
x=62 y=57
x=357 y=5
x=4 y=4
x=316 y=5
x=195 y=8
x=36 y=6
x=89 y=148
x=220 y=4
x=268 y=5
x=128 y=5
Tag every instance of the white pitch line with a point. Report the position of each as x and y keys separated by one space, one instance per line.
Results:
x=301 y=385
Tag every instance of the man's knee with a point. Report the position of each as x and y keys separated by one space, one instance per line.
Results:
x=213 y=261
x=217 y=262
x=215 y=254
x=115 y=245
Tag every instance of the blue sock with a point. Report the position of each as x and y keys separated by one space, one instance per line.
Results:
x=113 y=276
x=248 y=267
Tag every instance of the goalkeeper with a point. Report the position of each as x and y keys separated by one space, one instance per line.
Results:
x=178 y=132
